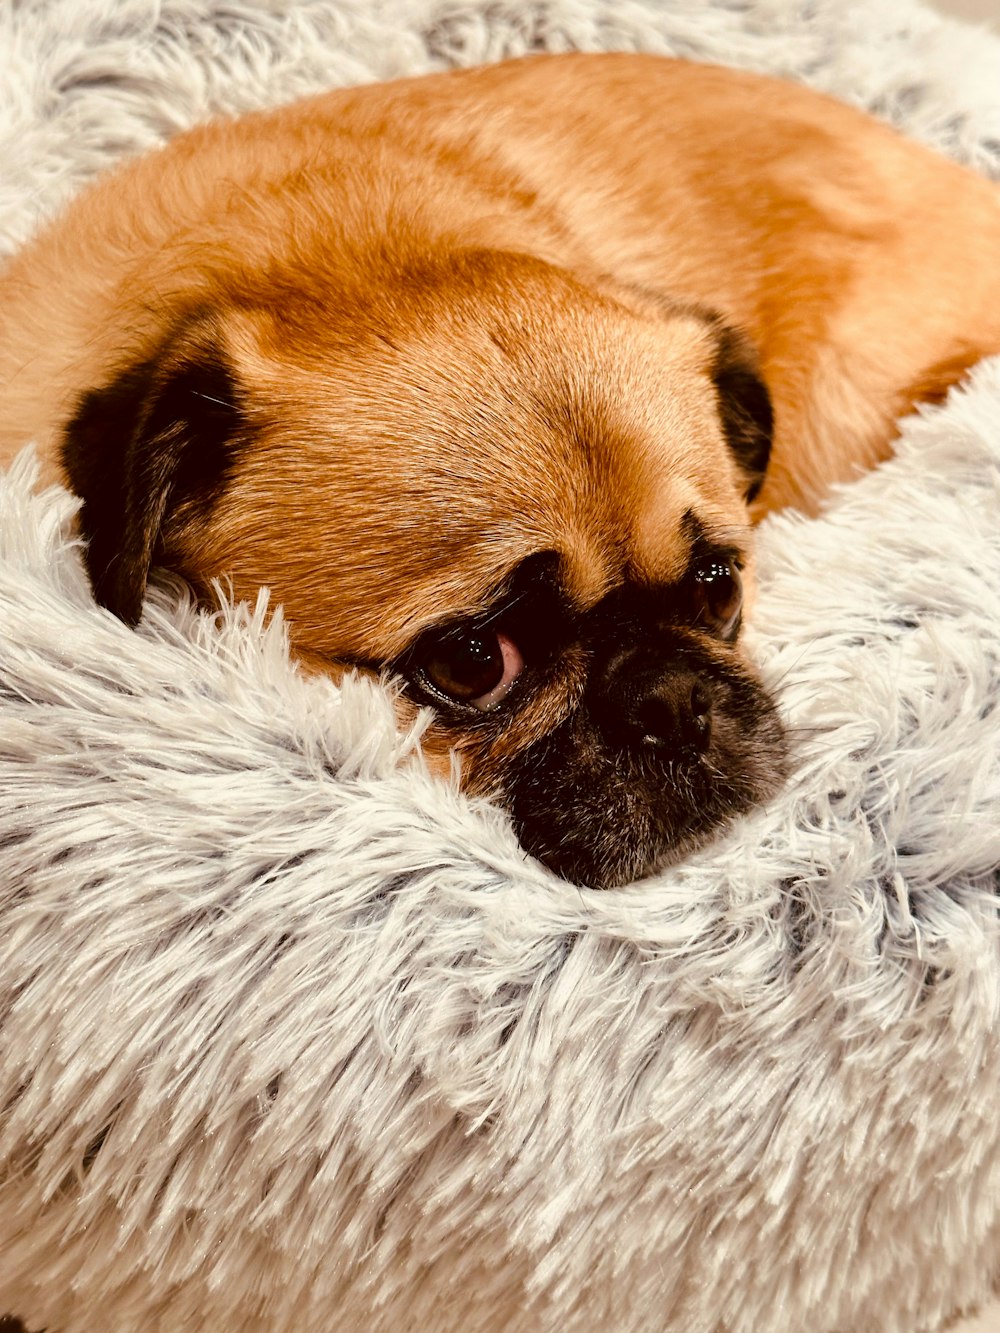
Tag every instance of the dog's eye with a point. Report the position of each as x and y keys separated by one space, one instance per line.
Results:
x=474 y=667
x=717 y=594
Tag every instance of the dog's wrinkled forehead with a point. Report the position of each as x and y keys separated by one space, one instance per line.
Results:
x=452 y=439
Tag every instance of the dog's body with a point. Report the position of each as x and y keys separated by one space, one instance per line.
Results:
x=467 y=351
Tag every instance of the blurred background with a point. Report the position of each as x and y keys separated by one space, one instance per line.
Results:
x=980 y=11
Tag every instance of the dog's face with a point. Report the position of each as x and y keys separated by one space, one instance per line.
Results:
x=523 y=495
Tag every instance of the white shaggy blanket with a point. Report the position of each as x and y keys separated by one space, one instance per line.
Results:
x=294 y=1037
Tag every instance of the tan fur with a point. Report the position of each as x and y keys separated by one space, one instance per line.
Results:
x=382 y=264
x=851 y=255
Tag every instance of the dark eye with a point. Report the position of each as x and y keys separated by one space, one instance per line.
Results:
x=718 y=595
x=476 y=667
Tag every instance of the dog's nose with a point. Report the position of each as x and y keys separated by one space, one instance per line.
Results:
x=675 y=710
x=656 y=710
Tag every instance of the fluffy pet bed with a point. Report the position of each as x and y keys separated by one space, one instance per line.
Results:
x=294 y=1037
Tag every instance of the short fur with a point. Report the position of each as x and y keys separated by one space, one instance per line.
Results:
x=451 y=326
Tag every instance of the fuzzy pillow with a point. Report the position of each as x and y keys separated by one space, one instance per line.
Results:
x=293 y=1036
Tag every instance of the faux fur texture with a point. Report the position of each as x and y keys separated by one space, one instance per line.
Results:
x=293 y=1036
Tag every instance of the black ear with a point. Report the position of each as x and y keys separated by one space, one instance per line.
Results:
x=160 y=436
x=744 y=405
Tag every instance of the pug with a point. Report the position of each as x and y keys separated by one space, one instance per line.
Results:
x=488 y=376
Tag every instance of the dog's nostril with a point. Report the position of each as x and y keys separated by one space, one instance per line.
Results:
x=675 y=712
x=701 y=713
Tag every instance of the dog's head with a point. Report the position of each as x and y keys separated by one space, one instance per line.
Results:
x=523 y=494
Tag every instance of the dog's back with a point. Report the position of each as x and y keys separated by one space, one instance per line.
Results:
x=861 y=264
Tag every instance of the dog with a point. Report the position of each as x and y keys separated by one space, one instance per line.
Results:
x=487 y=376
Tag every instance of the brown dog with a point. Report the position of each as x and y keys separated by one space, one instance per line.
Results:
x=470 y=370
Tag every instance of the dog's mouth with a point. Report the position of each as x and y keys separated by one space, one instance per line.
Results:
x=624 y=788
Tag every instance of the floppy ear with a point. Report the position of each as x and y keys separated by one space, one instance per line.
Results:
x=744 y=405
x=161 y=435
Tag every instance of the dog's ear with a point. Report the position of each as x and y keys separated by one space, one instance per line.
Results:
x=744 y=401
x=744 y=405
x=160 y=436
